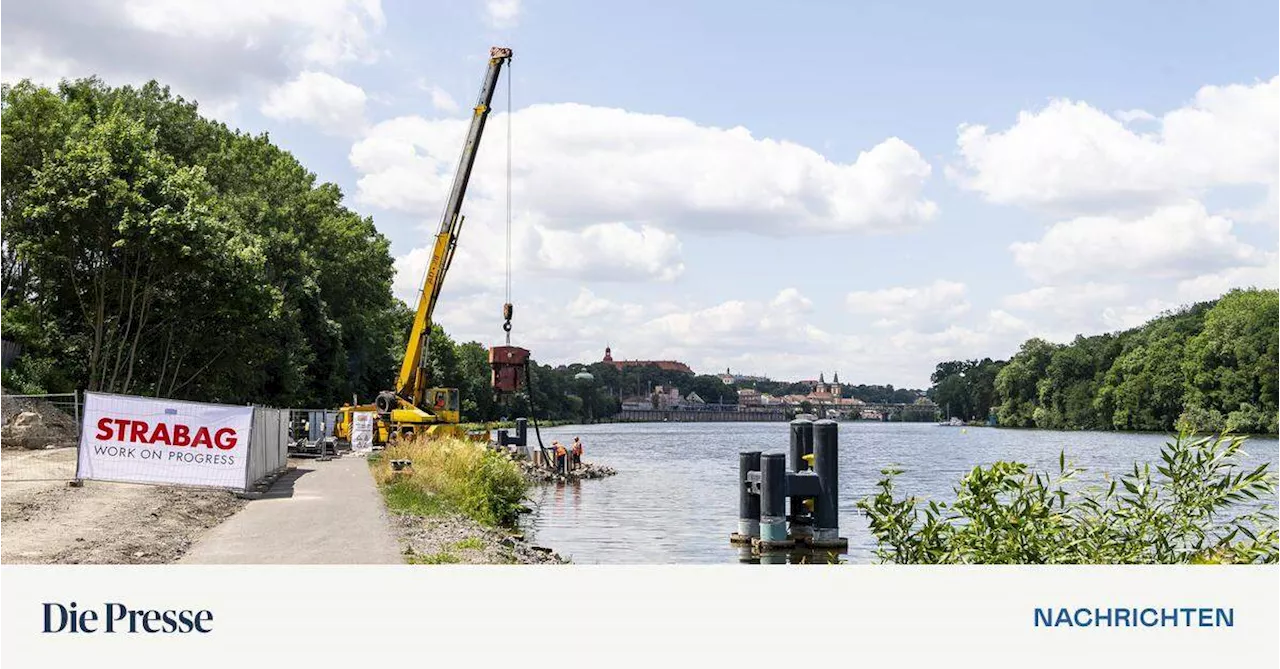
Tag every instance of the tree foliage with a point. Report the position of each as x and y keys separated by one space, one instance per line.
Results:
x=148 y=250
x=1206 y=367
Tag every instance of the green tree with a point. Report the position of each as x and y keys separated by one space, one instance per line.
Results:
x=1018 y=383
x=1230 y=365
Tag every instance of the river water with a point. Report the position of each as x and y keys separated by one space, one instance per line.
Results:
x=675 y=501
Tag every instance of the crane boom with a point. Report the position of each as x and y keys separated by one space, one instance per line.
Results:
x=411 y=384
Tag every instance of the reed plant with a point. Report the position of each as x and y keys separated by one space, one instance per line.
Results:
x=451 y=475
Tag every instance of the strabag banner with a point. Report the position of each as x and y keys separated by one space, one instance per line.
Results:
x=149 y=440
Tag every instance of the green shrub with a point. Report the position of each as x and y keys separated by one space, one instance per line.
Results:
x=1199 y=420
x=1200 y=507
x=452 y=475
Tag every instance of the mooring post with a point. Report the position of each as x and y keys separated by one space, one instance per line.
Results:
x=801 y=445
x=522 y=431
x=748 y=501
x=826 y=439
x=773 y=498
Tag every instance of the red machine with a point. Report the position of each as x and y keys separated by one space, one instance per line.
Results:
x=509 y=364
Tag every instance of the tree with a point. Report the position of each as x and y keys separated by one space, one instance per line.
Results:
x=1230 y=365
x=151 y=251
x=1018 y=383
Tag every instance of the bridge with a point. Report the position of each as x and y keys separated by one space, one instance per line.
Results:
x=706 y=413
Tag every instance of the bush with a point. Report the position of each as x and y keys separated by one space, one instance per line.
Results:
x=1248 y=419
x=452 y=475
x=1199 y=420
x=1201 y=508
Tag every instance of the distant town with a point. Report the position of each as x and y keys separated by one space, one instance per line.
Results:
x=672 y=386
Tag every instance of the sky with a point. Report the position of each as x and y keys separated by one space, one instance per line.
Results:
x=784 y=189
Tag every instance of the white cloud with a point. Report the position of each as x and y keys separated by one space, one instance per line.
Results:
x=929 y=307
x=1211 y=286
x=997 y=334
x=577 y=165
x=441 y=100
x=1070 y=156
x=1134 y=115
x=324 y=32
x=610 y=252
x=1124 y=317
x=319 y=99
x=1059 y=313
x=501 y=13
x=1172 y=242
x=215 y=51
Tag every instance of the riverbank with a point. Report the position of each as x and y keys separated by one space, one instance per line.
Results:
x=456 y=502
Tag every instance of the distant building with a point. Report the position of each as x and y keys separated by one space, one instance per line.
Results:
x=666 y=365
x=729 y=378
x=750 y=397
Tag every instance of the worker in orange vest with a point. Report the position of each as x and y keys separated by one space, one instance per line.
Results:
x=560 y=455
x=577 y=453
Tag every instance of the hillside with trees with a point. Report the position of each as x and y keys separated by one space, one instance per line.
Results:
x=1209 y=366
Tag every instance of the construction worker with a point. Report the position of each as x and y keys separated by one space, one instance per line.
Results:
x=561 y=454
x=577 y=453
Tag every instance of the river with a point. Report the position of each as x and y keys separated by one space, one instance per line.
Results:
x=674 y=499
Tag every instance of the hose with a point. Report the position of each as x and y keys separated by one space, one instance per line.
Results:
x=533 y=412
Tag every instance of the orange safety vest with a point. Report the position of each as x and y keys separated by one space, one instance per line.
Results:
x=559 y=449
x=577 y=448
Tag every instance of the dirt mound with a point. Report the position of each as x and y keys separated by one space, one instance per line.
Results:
x=34 y=423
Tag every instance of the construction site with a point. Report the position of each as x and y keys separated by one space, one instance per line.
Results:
x=106 y=475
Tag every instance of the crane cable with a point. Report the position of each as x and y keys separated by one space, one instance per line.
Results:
x=507 y=309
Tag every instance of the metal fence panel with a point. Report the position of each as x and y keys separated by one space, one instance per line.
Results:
x=268 y=443
x=39 y=437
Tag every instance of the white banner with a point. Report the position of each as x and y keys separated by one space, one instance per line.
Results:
x=148 y=440
x=362 y=430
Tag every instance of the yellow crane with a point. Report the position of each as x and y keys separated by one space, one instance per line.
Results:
x=414 y=407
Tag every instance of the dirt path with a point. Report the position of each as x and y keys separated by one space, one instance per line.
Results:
x=46 y=521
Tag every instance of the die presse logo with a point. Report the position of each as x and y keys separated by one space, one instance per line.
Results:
x=115 y=618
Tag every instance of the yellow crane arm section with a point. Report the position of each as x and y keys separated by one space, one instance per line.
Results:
x=411 y=384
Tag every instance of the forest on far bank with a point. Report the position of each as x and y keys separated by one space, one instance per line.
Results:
x=1209 y=366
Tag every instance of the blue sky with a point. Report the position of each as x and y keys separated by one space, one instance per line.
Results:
x=780 y=189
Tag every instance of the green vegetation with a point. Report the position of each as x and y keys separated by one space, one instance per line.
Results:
x=451 y=475
x=470 y=543
x=152 y=251
x=1208 y=367
x=443 y=557
x=1200 y=508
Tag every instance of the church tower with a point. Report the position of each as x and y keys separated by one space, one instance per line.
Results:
x=608 y=354
x=835 y=385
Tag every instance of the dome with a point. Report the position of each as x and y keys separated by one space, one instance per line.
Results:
x=584 y=376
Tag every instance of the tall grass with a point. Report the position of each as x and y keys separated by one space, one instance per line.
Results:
x=452 y=475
